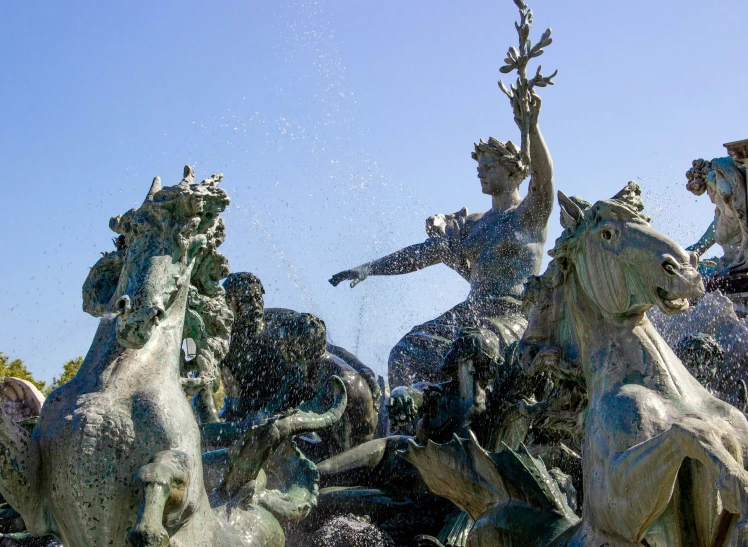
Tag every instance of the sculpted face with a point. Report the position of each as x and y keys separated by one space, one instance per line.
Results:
x=494 y=177
x=148 y=284
x=248 y=306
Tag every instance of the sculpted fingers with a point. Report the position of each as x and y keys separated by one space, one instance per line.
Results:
x=356 y=275
x=337 y=278
x=535 y=103
x=402 y=408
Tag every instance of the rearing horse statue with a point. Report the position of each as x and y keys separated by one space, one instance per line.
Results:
x=115 y=458
x=664 y=462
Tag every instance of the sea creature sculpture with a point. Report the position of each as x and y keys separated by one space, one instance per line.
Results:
x=664 y=461
x=279 y=359
x=513 y=499
x=441 y=410
x=115 y=457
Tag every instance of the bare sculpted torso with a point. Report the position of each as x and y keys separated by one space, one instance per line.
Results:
x=502 y=253
x=495 y=251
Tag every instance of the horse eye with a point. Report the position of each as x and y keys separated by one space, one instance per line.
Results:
x=606 y=235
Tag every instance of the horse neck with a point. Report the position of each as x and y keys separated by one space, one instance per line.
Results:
x=616 y=350
x=110 y=366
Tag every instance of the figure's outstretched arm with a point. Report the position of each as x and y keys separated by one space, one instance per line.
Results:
x=410 y=259
x=706 y=241
x=537 y=205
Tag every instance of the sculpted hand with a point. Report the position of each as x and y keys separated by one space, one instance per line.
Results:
x=533 y=110
x=356 y=275
x=402 y=408
x=535 y=103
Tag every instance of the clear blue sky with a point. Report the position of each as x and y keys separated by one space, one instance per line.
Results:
x=339 y=126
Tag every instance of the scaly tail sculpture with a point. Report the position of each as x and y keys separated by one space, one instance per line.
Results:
x=509 y=494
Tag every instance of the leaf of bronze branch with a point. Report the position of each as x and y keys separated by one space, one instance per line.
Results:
x=505 y=90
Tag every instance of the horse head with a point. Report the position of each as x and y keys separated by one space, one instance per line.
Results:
x=169 y=245
x=623 y=265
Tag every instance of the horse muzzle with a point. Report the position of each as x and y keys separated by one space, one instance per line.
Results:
x=134 y=328
x=679 y=283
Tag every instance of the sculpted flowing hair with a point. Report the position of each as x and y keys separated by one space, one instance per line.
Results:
x=184 y=212
x=514 y=160
x=703 y=172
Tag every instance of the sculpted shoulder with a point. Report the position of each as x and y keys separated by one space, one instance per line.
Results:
x=629 y=414
x=471 y=221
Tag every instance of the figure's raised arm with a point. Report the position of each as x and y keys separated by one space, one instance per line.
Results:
x=409 y=259
x=537 y=205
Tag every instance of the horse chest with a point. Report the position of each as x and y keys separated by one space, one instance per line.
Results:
x=626 y=416
x=90 y=456
x=87 y=444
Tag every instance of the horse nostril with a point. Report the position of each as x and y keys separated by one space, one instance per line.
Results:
x=156 y=313
x=123 y=304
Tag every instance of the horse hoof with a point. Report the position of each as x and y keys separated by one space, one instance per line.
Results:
x=144 y=537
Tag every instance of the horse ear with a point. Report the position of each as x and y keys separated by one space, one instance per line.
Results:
x=189 y=176
x=155 y=187
x=571 y=214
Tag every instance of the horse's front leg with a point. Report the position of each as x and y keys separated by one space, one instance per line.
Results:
x=656 y=462
x=164 y=499
x=714 y=445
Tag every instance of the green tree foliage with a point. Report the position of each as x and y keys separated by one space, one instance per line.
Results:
x=69 y=370
x=17 y=369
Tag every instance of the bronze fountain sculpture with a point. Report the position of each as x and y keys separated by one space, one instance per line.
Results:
x=664 y=461
x=543 y=411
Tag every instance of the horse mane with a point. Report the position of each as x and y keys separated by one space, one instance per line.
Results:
x=184 y=211
x=550 y=326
